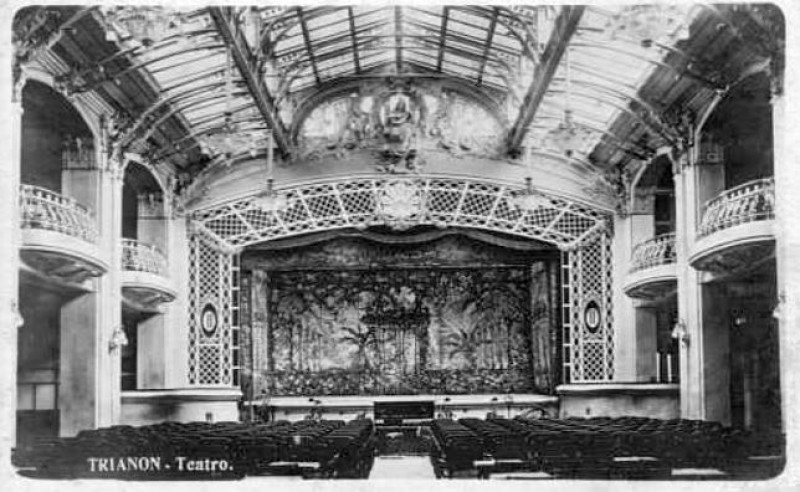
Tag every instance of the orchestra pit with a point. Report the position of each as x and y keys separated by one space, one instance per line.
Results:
x=389 y=241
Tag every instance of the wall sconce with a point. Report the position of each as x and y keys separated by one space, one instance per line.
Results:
x=118 y=339
x=778 y=311
x=680 y=333
x=18 y=319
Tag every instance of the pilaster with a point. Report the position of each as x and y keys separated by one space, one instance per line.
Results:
x=688 y=328
x=89 y=394
x=787 y=240
x=10 y=317
x=624 y=312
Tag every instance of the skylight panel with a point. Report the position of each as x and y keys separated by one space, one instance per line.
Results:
x=457 y=14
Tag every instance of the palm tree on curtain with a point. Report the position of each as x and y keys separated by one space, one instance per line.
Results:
x=463 y=337
x=360 y=339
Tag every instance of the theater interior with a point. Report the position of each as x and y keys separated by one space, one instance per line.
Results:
x=389 y=241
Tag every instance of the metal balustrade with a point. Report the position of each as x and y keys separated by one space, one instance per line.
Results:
x=142 y=257
x=748 y=202
x=657 y=251
x=43 y=209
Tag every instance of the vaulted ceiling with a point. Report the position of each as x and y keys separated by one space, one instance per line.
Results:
x=175 y=76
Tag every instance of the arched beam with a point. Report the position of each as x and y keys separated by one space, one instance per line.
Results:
x=565 y=26
x=246 y=65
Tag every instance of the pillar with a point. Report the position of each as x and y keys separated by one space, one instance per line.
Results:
x=689 y=308
x=787 y=232
x=10 y=317
x=704 y=350
x=89 y=395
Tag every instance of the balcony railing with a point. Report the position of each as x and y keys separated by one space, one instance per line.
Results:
x=142 y=257
x=749 y=202
x=43 y=209
x=657 y=251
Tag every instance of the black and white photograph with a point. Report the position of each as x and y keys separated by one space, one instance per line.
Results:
x=503 y=245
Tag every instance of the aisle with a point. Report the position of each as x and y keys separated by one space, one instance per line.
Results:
x=402 y=467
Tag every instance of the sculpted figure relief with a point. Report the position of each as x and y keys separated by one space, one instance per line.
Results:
x=399 y=122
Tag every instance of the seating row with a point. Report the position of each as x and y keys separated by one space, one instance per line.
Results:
x=319 y=448
x=627 y=447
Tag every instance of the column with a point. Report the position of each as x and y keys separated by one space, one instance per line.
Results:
x=705 y=370
x=689 y=309
x=89 y=394
x=10 y=318
x=787 y=232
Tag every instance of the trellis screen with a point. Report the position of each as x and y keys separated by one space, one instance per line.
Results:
x=588 y=350
x=213 y=314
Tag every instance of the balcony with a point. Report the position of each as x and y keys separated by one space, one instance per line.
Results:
x=653 y=273
x=736 y=229
x=145 y=278
x=58 y=237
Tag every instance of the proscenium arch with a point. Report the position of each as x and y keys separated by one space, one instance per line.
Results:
x=368 y=201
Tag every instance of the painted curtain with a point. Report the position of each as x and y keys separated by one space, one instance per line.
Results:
x=439 y=329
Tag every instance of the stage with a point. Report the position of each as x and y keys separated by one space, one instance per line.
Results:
x=456 y=406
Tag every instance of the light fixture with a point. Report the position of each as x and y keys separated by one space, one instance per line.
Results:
x=118 y=339
x=230 y=138
x=269 y=200
x=680 y=333
x=650 y=23
x=529 y=199
x=567 y=137
x=778 y=311
x=18 y=319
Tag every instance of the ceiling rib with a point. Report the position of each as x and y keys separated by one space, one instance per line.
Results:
x=307 y=40
x=442 y=38
x=398 y=38
x=489 y=37
x=565 y=26
x=246 y=63
x=351 y=18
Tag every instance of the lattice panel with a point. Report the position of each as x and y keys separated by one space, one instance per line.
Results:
x=589 y=339
x=213 y=285
x=443 y=202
